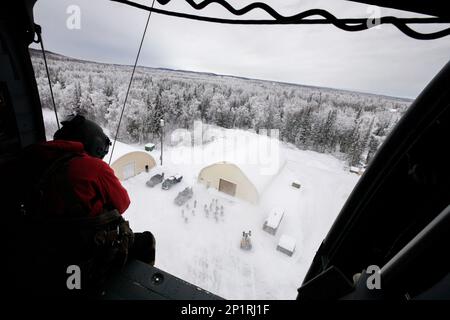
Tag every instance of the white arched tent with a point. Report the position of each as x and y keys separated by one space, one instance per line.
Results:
x=241 y=164
x=245 y=182
x=128 y=161
x=132 y=163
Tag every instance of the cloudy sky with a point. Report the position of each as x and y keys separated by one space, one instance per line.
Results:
x=379 y=60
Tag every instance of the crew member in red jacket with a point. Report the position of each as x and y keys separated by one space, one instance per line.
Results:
x=91 y=179
x=73 y=182
x=74 y=173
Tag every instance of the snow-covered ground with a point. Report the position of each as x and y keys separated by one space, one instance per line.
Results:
x=206 y=251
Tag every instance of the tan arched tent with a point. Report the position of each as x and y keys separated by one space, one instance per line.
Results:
x=230 y=179
x=132 y=163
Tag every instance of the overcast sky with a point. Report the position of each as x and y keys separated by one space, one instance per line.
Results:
x=380 y=60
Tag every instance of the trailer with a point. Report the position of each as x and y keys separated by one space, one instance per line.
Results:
x=273 y=220
x=286 y=244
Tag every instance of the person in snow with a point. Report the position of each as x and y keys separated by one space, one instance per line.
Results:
x=78 y=197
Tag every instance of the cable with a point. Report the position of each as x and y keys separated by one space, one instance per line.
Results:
x=355 y=24
x=41 y=41
x=131 y=80
x=230 y=8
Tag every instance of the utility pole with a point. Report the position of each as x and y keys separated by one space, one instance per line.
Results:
x=161 y=125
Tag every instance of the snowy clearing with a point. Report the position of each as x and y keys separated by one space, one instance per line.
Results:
x=205 y=249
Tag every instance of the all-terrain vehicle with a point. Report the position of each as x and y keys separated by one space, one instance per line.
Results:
x=184 y=196
x=157 y=178
x=170 y=181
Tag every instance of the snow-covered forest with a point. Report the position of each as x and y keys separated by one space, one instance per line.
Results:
x=349 y=125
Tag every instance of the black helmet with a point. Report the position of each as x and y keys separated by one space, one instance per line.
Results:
x=78 y=128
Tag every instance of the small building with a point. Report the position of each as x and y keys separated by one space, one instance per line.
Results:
x=357 y=170
x=286 y=245
x=354 y=169
x=296 y=184
x=132 y=163
x=273 y=221
x=149 y=147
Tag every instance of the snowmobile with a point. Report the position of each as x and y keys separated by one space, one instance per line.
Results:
x=397 y=218
x=171 y=181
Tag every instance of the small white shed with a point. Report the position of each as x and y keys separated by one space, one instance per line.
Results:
x=286 y=245
x=273 y=220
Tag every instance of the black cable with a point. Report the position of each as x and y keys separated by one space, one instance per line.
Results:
x=355 y=24
x=131 y=80
x=41 y=41
x=237 y=12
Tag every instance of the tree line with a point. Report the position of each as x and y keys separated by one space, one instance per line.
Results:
x=349 y=125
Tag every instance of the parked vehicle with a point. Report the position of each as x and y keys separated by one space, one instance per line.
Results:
x=157 y=178
x=172 y=180
x=149 y=147
x=184 y=196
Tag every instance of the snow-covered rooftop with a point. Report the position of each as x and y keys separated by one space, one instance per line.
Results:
x=274 y=218
x=260 y=157
x=287 y=242
x=121 y=149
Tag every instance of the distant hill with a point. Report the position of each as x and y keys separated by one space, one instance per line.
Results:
x=57 y=56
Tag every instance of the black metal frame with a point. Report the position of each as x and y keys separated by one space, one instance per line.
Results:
x=22 y=124
x=406 y=186
x=347 y=24
x=24 y=107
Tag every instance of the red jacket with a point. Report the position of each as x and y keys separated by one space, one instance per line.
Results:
x=91 y=179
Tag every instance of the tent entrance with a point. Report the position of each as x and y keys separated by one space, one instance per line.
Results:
x=227 y=187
